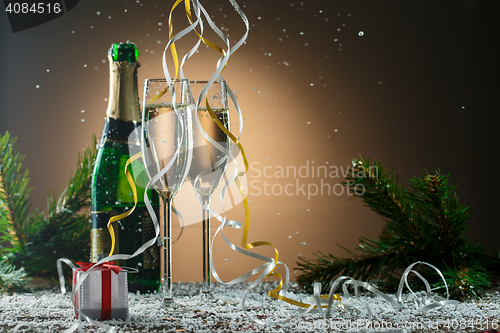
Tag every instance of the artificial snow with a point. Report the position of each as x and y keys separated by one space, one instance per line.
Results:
x=50 y=311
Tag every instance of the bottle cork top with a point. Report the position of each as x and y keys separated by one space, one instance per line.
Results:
x=120 y=52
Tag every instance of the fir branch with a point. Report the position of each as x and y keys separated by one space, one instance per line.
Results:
x=426 y=223
x=465 y=281
x=11 y=279
x=15 y=213
x=64 y=230
x=383 y=194
x=378 y=262
x=38 y=239
x=441 y=209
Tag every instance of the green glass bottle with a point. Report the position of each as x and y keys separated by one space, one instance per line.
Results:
x=111 y=193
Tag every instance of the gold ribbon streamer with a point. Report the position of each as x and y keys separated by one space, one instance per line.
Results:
x=229 y=134
x=127 y=213
x=275 y=292
x=171 y=35
x=203 y=39
x=158 y=95
x=173 y=50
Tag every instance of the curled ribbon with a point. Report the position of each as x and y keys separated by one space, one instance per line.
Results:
x=81 y=316
x=105 y=262
x=317 y=303
x=270 y=263
x=130 y=211
x=146 y=245
x=426 y=303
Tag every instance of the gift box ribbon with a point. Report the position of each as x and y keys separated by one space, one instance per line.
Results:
x=110 y=266
x=107 y=268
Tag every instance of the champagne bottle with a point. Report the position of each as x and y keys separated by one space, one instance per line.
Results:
x=111 y=193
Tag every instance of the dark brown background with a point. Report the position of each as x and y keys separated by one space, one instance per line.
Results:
x=418 y=90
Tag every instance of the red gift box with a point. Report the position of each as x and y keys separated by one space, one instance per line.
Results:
x=103 y=294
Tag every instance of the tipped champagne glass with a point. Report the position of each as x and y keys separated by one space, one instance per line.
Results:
x=208 y=163
x=166 y=148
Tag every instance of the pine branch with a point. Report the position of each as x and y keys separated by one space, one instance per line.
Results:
x=425 y=224
x=441 y=209
x=39 y=239
x=465 y=281
x=15 y=213
x=64 y=230
x=387 y=198
x=378 y=262
x=11 y=279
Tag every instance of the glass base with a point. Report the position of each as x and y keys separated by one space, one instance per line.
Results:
x=168 y=302
x=207 y=296
x=171 y=306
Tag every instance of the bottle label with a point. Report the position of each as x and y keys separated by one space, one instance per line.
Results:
x=100 y=239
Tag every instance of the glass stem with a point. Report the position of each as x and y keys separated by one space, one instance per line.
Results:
x=206 y=244
x=167 y=250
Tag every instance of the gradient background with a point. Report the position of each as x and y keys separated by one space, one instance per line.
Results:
x=419 y=89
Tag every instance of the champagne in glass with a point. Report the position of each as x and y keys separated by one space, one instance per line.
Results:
x=208 y=163
x=166 y=148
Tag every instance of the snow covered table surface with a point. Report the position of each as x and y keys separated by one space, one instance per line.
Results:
x=50 y=311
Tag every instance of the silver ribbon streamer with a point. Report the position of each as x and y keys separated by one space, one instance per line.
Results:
x=426 y=303
x=269 y=264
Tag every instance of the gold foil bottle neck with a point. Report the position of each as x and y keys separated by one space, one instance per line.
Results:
x=123 y=102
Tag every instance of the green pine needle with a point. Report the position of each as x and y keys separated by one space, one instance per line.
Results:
x=63 y=231
x=425 y=223
x=15 y=207
x=11 y=279
x=465 y=282
x=39 y=239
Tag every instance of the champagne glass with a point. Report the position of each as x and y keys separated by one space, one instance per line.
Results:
x=166 y=149
x=208 y=163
